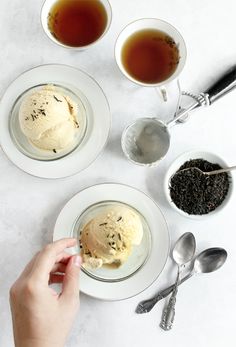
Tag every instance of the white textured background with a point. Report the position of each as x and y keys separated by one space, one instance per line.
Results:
x=29 y=206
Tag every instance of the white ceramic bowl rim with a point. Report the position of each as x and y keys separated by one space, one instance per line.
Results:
x=180 y=160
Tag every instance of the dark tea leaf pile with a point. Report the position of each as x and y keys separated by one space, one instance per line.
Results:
x=196 y=193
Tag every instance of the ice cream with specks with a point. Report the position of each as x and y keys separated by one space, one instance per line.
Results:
x=110 y=237
x=49 y=119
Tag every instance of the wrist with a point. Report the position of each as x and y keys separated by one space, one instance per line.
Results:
x=37 y=343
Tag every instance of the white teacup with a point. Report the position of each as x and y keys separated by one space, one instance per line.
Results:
x=46 y=8
x=156 y=24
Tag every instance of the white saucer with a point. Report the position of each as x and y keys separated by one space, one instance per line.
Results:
x=98 y=117
x=154 y=265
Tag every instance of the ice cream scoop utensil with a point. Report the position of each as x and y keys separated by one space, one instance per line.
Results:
x=147 y=140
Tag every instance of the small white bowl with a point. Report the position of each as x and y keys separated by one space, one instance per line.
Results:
x=212 y=158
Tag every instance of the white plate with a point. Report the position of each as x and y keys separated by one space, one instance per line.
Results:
x=98 y=117
x=157 y=225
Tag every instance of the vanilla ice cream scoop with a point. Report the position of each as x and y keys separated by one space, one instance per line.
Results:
x=49 y=119
x=110 y=236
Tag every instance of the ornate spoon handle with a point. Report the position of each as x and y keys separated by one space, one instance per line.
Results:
x=147 y=305
x=169 y=312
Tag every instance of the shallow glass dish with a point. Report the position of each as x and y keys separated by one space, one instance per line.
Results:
x=138 y=256
x=25 y=146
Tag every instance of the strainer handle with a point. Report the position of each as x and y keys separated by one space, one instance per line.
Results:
x=222 y=86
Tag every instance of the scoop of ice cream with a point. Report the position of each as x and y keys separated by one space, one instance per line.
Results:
x=48 y=119
x=110 y=236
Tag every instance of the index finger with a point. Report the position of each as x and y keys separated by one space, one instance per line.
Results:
x=47 y=257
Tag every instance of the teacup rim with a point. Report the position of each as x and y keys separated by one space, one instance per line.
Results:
x=75 y=48
x=173 y=77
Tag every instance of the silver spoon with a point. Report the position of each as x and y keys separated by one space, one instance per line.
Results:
x=207 y=261
x=183 y=252
x=207 y=173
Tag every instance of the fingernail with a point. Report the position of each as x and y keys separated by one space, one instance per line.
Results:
x=77 y=261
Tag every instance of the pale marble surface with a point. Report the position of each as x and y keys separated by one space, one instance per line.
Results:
x=29 y=206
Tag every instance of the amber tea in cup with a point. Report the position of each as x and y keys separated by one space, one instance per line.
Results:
x=77 y=23
x=150 y=52
x=150 y=56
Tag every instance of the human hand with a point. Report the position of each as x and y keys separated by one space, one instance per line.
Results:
x=41 y=317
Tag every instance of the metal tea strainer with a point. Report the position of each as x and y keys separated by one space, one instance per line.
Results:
x=147 y=140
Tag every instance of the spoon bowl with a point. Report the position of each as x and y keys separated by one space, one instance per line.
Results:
x=184 y=249
x=210 y=260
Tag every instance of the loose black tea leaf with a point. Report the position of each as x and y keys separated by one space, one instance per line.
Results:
x=57 y=99
x=196 y=193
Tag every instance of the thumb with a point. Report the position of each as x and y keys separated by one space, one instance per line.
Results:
x=70 y=286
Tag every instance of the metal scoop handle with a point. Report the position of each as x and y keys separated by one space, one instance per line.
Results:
x=221 y=87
